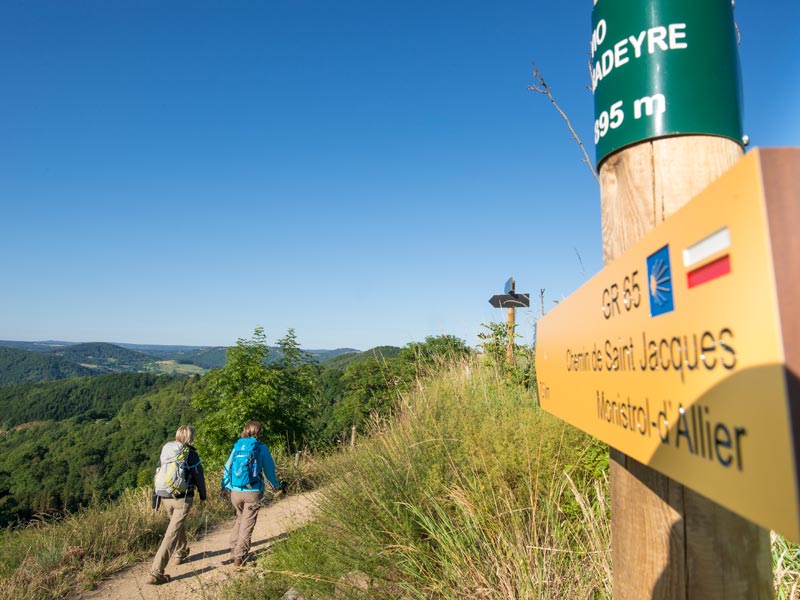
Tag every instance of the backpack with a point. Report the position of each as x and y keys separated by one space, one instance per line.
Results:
x=172 y=475
x=244 y=466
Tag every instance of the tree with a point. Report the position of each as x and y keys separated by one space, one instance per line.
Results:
x=279 y=395
x=494 y=343
x=435 y=351
x=370 y=387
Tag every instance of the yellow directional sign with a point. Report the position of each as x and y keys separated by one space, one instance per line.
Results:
x=678 y=352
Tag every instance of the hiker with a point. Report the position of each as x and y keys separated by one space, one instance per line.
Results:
x=243 y=482
x=178 y=476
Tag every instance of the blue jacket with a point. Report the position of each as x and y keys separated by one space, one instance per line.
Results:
x=266 y=466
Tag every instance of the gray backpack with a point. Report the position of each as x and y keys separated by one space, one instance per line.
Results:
x=172 y=475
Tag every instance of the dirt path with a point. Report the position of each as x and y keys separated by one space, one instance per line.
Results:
x=210 y=564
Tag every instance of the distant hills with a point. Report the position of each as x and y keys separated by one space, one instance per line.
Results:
x=25 y=366
x=101 y=357
x=343 y=360
x=29 y=362
x=64 y=361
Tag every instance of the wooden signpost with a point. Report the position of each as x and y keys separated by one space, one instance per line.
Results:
x=682 y=352
x=511 y=300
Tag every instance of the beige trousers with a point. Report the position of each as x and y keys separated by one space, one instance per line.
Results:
x=246 y=505
x=174 y=541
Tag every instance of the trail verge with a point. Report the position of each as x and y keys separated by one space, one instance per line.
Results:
x=210 y=564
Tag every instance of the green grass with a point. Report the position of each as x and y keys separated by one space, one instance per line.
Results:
x=786 y=567
x=173 y=367
x=47 y=560
x=469 y=491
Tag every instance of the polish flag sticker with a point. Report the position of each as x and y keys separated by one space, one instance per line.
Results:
x=708 y=259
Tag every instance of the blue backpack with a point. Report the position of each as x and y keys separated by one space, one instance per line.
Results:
x=244 y=466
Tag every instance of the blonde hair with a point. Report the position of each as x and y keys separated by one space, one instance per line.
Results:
x=185 y=434
x=252 y=429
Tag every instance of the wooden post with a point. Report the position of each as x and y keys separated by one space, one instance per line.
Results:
x=353 y=437
x=668 y=541
x=511 y=326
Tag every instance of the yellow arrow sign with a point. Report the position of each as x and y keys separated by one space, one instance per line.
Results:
x=675 y=353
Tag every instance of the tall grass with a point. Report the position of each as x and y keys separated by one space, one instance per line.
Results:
x=786 y=567
x=54 y=559
x=469 y=491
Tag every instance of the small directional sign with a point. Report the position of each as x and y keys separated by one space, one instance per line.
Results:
x=510 y=300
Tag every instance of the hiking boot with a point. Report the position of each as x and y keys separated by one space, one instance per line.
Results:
x=181 y=557
x=157 y=578
x=237 y=561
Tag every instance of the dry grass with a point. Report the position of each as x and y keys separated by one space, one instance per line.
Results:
x=786 y=567
x=47 y=560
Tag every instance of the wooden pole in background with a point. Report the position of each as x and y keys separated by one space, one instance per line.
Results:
x=669 y=542
x=510 y=346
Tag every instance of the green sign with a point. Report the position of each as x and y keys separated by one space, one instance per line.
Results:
x=661 y=68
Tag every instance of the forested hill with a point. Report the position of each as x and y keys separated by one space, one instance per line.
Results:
x=101 y=396
x=73 y=360
x=24 y=366
x=207 y=358
x=66 y=443
x=342 y=360
x=105 y=358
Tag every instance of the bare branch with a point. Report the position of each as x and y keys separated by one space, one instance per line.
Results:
x=539 y=85
x=580 y=260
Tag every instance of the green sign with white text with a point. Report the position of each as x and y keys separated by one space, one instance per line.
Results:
x=661 y=68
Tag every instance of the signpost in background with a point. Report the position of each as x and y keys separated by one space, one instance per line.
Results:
x=510 y=300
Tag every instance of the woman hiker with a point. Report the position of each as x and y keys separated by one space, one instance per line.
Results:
x=177 y=478
x=243 y=481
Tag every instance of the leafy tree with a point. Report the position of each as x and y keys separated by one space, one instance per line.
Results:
x=435 y=351
x=298 y=399
x=279 y=394
x=370 y=387
x=494 y=343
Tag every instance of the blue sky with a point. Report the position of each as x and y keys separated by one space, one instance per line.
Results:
x=365 y=172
